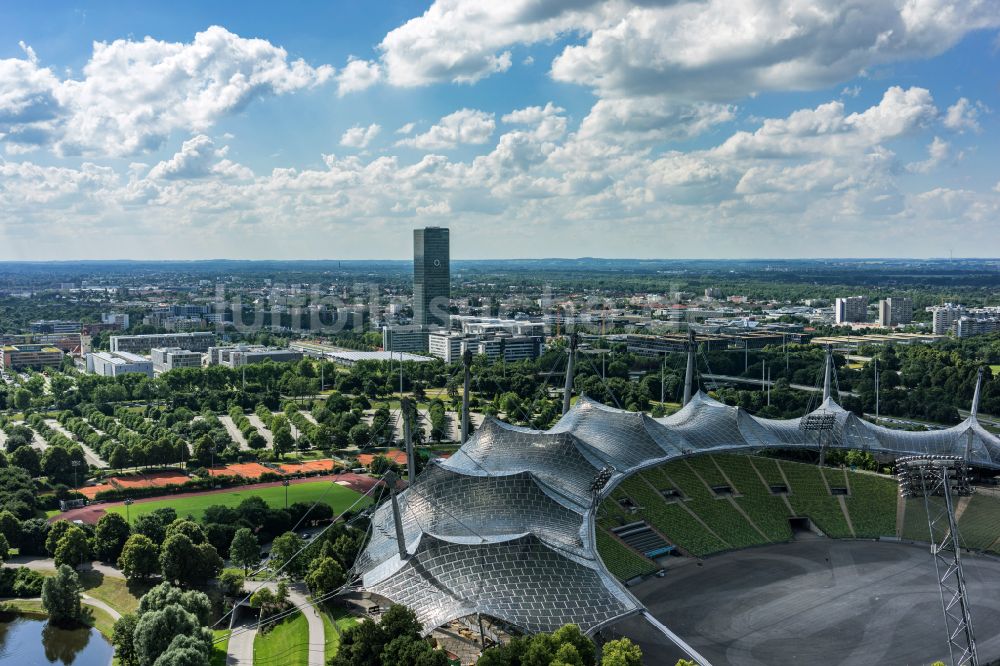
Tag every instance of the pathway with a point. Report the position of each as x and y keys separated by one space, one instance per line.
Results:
x=240 y=649
x=262 y=429
x=297 y=595
x=89 y=454
x=234 y=432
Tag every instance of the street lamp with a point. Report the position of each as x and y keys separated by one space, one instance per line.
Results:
x=285 y=483
x=75 y=464
x=128 y=503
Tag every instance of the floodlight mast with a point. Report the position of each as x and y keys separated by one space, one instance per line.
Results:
x=946 y=477
x=819 y=422
x=568 y=389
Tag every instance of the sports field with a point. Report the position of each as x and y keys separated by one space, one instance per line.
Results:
x=336 y=496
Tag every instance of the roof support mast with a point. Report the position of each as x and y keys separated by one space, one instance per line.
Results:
x=689 y=372
x=466 y=364
x=827 y=373
x=568 y=389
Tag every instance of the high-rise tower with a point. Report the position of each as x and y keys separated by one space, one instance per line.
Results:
x=431 y=277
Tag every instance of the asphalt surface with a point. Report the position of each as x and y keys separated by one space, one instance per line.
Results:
x=819 y=602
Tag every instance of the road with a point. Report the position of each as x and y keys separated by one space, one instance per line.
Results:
x=262 y=429
x=757 y=383
x=234 y=432
x=240 y=649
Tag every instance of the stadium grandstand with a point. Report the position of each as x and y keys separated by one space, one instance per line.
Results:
x=536 y=529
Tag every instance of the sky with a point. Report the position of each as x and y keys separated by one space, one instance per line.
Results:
x=531 y=128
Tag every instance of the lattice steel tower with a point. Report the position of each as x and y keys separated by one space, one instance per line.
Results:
x=946 y=477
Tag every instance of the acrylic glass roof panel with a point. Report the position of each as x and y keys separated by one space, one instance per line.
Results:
x=621 y=438
x=522 y=582
x=556 y=459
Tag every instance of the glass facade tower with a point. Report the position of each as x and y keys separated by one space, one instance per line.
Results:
x=431 y=277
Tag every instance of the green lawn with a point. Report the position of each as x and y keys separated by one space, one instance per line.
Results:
x=335 y=622
x=115 y=592
x=220 y=648
x=336 y=496
x=286 y=644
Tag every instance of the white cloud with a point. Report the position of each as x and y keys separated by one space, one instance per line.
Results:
x=466 y=40
x=937 y=152
x=406 y=129
x=465 y=126
x=360 y=137
x=827 y=130
x=532 y=114
x=655 y=118
x=199 y=158
x=358 y=75
x=964 y=115
x=133 y=94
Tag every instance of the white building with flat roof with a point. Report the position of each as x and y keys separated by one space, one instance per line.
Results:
x=112 y=364
x=171 y=358
x=142 y=344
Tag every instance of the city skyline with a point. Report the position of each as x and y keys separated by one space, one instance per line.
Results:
x=531 y=129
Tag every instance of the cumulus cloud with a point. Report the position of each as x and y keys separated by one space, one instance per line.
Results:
x=358 y=75
x=964 y=115
x=937 y=152
x=360 y=137
x=133 y=94
x=465 y=126
x=655 y=118
x=717 y=50
x=199 y=158
x=406 y=129
x=828 y=130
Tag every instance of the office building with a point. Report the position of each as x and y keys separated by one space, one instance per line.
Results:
x=508 y=348
x=141 y=344
x=446 y=346
x=55 y=326
x=851 y=309
x=241 y=355
x=431 y=277
x=17 y=357
x=404 y=339
x=895 y=311
x=945 y=316
x=113 y=364
x=171 y=358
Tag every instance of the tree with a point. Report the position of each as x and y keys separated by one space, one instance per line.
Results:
x=152 y=526
x=283 y=551
x=187 y=650
x=244 y=551
x=283 y=440
x=188 y=528
x=73 y=548
x=61 y=597
x=10 y=527
x=325 y=575
x=56 y=532
x=621 y=652
x=4 y=548
x=118 y=458
x=121 y=637
x=26 y=458
x=110 y=536
x=231 y=583
x=155 y=631
x=163 y=595
x=368 y=643
x=139 y=558
x=57 y=464
x=177 y=558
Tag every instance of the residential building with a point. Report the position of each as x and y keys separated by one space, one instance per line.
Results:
x=404 y=338
x=55 y=326
x=118 y=318
x=968 y=326
x=240 y=355
x=945 y=316
x=113 y=364
x=141 y=344
x=431 y=277
x=31 y=355
x=895 y=311
x=171 y=358
x=851 y=309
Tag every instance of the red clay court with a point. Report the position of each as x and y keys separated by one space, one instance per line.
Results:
x=251 y=470
x=395 y=455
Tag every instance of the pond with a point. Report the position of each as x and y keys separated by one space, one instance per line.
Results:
x=27 y=641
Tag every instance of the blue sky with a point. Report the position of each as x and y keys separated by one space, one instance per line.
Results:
x=715 y=128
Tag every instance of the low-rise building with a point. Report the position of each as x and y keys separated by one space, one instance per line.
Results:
x=404 y=338
x=446 y=346
x=55 y=326
x=968 y=326
x=113 y=364
x=239 y=355
x=31 y=355
x=142 y=344
x=510 y=349
x=171 y=358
